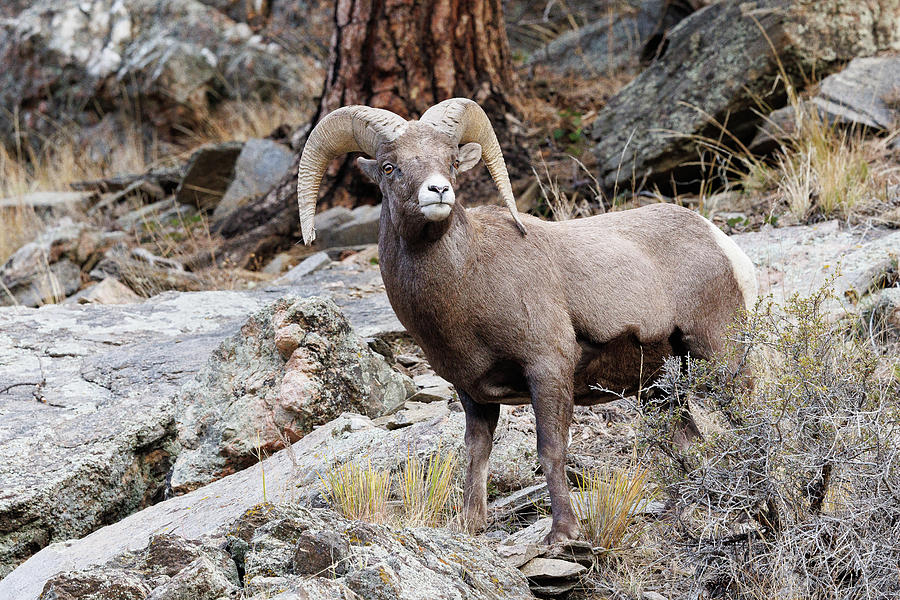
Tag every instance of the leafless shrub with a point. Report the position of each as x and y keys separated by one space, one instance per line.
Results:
x=795 y=490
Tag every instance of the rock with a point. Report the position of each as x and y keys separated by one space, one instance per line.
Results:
x=717 y=66
x=169 y=567
x=526 y=501
x=432 y=388
x=90 y=417
x=533 y=535
x=49 y=268
x=653 y=596
x=290 y=476
x=209 y=173
x=44 y=202
x=865 y=94
x=518 y=554
x=146 y=273
x=318 y=554
x=162 y=64
x=357 y=289
x=802 y=258
x=108 y=291
x=52 y=285
x=294 y=364
x=612 y=43
x=310 y=264
x=413 y=412
x=99 y=585
x=552 y=576
x=88 y=428
x=259 y=167
x=552 y=568
x=278 y=264
x=331 y=218
x=352 y=228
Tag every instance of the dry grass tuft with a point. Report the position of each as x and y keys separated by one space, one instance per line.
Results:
x=606 y=505
x=824 y=170
x=427 y=491
x=357 y=492
x=19 y=226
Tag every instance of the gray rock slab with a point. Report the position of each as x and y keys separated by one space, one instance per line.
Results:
x=308 y=265
x=290 y=475
x=865 y=93
x=209 y=172
x=86 y=419
x=259 y=167
x=802 y=259
x=355 y=228
x=99 y=384
x=552 y=568
x=611 y=43
x=432 y=388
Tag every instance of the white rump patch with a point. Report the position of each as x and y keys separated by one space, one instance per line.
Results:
x=436 y=198
x=743 y=268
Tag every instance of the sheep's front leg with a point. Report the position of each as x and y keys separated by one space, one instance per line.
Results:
x=553 y=402
x=481 y=421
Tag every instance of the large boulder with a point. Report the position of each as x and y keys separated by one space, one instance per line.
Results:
x=616 y=42
x=164 y=64
x=289 y=476
x=282 y=551
x=718 y=65
x=294 y=364
x=259 y=167
x=88 y=430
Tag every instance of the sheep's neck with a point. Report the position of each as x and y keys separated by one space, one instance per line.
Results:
x=423 y=276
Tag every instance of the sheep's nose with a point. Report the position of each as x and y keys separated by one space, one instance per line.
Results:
x=439 y=190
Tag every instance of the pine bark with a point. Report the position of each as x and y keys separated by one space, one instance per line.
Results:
x=402 y=55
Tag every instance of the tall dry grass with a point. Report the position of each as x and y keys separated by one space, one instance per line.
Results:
x=606 y=504
x=426 y=488
x=358 y=492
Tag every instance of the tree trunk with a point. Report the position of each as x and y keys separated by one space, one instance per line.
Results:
x=402 y=55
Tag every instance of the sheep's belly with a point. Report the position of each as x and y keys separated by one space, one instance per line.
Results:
x=604 y=372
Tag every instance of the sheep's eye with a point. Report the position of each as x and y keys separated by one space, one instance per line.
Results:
x=388 y=168
x=456 y=164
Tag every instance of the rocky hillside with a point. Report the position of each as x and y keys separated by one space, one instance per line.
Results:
x=177 y=403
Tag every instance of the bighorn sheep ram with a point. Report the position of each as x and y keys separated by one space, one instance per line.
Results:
x=513 y=318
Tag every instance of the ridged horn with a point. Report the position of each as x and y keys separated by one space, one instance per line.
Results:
x=465 y=122
x=347 y=129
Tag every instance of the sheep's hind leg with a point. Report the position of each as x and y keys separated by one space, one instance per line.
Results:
x=481 y=421
x=553 y=406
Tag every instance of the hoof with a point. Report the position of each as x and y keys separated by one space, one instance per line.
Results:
x=562 y=532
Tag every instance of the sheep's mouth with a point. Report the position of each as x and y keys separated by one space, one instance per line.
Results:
x=436 y=210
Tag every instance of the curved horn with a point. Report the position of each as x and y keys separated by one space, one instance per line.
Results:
x=465 y=121
x=347 y=129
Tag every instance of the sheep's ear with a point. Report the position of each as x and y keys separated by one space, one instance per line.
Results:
x=369 y=167
x=469 y=155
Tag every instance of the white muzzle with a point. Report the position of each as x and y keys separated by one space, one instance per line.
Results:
x=436 y=198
